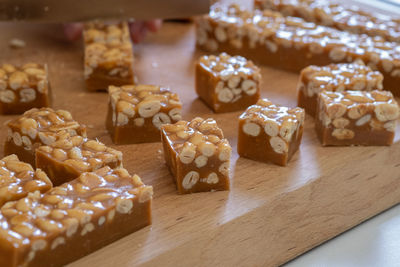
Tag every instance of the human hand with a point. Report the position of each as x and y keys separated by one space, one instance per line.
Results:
x=138 y=29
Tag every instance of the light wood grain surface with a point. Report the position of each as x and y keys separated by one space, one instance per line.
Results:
x=271 y=214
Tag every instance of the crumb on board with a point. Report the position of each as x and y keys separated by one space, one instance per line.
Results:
x=17 y=43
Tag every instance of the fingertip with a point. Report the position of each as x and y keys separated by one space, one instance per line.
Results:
x=136 y=38
x=154 y=25
x=135 y=31
x=140 y=34
x=73 y=31
x=143 y=32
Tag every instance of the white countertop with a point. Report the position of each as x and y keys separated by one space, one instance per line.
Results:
x=374 y=243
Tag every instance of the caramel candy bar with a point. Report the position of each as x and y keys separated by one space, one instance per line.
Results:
x=68 y=157
x=73 y=220
x=356 y=118
x=23 y=88
x=291 y=43
x=337 y=15
x=108 y=55
x=18 y=178
x=38 y=127
x=270 y=133
x=197 y=154
x=136 y=112
x=227 y=83
x=335 y=78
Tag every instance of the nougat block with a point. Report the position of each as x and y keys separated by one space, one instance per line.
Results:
x=70 y=156
x=351 y=18
x=23 y=87
x=108 y=55
x=356 y=118
x=18 y=178
x=197 y=155
x=335 y=78
x=37 y=127
x=136 y=112
x=227 y=83
x=270 y=133
x=73 y=220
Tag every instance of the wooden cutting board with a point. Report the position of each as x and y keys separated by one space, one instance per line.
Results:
x=271 y=215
